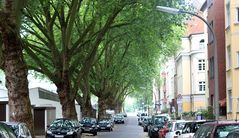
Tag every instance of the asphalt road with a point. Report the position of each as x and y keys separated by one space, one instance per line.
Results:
x=128 y=130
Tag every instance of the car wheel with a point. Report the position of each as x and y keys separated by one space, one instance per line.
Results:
x=75 y=136
x=95 y=134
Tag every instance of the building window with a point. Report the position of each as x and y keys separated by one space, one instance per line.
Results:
x=201 y=64
x=229 y=100
x=228 y=15
x=210 y=34
x=229 y=60
x=237 y=58
x=202 y=86
x=211 y=67
x=201 y=44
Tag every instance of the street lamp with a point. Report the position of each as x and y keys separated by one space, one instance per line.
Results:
x=155 y=103
x=216 y=92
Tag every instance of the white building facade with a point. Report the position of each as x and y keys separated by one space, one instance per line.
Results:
x=191 y=77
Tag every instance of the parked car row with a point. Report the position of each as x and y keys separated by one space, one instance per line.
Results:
x=152 y=124
x=73 y=128
x=159 y=126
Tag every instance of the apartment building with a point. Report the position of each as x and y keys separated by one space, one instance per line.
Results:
x=232 y=57
x=191 y=63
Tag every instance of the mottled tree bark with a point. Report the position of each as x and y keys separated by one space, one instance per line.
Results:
x=102 y=102
x=16 y=72
x=87 y=110
x=67 y=97
x=118 y=107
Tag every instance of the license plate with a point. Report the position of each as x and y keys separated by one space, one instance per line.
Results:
x=102 y=127
x=59 y=136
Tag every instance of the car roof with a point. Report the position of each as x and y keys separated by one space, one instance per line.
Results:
x=222 y=122
x=179 y=121
x=65 y=119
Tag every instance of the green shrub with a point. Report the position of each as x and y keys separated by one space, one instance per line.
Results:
x=208 y=114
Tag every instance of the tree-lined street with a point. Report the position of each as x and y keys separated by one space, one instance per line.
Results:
x=106 y=49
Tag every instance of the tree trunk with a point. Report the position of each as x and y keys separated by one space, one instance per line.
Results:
x=16 y=74
x=118 y=107
x=86 y=108
x=67 y=98
x=88 y=111
x=102 y=107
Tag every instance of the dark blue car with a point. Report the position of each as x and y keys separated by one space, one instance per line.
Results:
x=64 y=128
x=89 y=125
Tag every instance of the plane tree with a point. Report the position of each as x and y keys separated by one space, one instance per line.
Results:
x=131 y=61
x=62 y=38
x=12 y=62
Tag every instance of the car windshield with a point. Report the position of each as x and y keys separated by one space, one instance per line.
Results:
x=179 y=126
x=62 y=124
x=191 y=127
x=119 y=116
x=15 y=129
x=159 y=121
x=222 y=131
x=88 y=121
x=204 y=132
x=144 y=114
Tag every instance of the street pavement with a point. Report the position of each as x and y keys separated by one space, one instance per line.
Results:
x=130 y=129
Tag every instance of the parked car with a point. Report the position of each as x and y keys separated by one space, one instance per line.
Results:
x=63 y=127
x=158 y=122
x=172 y=129
x=119 y=118
x=141 y=118
x=6 y=131
x=89 y=125
x=124 y=114
x=190 y=128
x=19 y=129
x=216 y=129
x=233 y=134
x=146 y=122
x=105 y=124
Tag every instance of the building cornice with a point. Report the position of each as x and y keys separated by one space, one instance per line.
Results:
x=193 y=52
